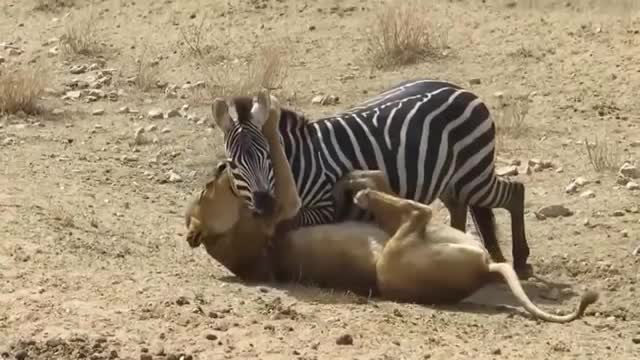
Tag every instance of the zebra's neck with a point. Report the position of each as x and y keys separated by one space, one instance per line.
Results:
x=307 y=146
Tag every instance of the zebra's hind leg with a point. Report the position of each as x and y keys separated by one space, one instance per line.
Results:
x=486 y=223
x=510 y=196
x=458 y=215
x=520 y=247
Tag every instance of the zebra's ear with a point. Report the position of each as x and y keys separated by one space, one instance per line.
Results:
x=260 y=109
x=220 y=112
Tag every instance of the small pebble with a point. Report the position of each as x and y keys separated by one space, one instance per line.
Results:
x=345 y=339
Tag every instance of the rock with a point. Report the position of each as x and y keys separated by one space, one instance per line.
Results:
x=624 y=233
x=2 y=60
x=172 y=177
x=475 y=81
x=8 y=141
x=72 y=95
x=552 y=211
x=622 y=180
x=14 y=52
x=155 y=114
x=140 y=138
x=589 y=194
x=146 y=357
x=511 y=170
x=172 y=113
x=165 y=130
x=152 y=127
x=636 y=251
x=21 y=355
x=580 y=181
x=345 y=339
x=97 y=112
x=617 y=213
x=97 y=93
x=54 y=51
x=546 y=164
x=211 y=337
x=576 y=184
x=78 y=69
x=325 y=100
x=629 y=171
x=123 y=110
x=57 y=112
x=571 y=188
x=632 y=185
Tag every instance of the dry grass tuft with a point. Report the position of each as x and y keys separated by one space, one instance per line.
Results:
x=511 y=117
x=601 y=6
x=268 y=70
x=53 y=5
x=195 y=39
x=603 y=154
x=402 y=35
x=20 y=90
x=81 y=37
x=146 y=73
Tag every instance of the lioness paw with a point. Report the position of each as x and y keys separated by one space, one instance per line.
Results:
x=362 y=198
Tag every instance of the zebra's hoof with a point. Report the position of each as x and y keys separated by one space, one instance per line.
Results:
x=524 y=271
x=362 y=199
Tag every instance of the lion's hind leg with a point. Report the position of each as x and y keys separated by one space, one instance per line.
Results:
x=392 y=212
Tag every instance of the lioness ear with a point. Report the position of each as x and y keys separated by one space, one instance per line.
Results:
x=260 y=109
x=220 y=168
x=220 y=112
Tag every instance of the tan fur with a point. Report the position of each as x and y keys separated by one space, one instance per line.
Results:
x=402 y=256
x=219 y=219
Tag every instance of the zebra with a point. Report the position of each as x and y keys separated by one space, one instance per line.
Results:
x=432 y=138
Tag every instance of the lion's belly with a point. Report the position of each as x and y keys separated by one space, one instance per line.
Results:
x=339 y=256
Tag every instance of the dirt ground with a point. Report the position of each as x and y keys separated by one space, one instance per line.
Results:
x=93 y=261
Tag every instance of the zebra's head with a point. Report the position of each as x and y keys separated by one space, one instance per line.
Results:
x=241 y=119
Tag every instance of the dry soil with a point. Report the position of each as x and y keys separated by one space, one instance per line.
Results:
x=93 y=262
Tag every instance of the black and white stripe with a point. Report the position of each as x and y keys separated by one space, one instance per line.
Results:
x=431 y=138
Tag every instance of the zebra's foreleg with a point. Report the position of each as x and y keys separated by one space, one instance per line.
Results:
x=457 y=211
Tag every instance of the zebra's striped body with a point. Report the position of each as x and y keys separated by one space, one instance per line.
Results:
x=432 y=139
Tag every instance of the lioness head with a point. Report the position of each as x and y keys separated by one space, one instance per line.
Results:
x=220 y=220
x=216 y=210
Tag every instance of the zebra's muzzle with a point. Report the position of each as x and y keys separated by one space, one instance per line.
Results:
x=264 y=203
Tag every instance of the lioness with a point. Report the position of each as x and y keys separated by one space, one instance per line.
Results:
x=401 y=256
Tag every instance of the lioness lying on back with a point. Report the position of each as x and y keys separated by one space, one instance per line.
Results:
x=401 y=256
